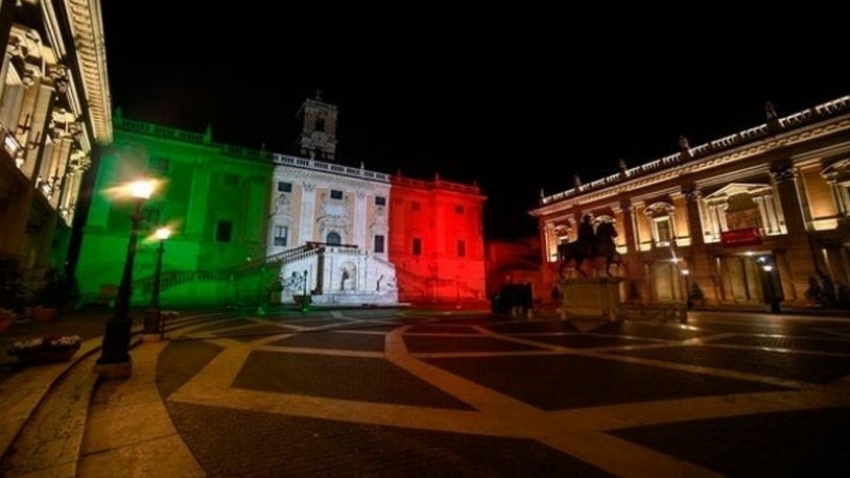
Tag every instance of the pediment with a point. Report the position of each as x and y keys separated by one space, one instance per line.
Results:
x=734 y=189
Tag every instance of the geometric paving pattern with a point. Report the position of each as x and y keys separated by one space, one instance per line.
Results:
x=375 y=393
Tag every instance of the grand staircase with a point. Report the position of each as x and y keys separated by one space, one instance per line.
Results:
x=171 y=279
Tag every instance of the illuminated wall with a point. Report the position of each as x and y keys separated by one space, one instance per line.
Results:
x=769 y=203
x=54 y=112
x=211 y=195
x=436 y=240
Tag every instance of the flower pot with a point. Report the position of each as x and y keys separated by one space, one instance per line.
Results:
x=42 y=356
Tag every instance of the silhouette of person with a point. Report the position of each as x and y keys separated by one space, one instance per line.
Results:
x=585 y=230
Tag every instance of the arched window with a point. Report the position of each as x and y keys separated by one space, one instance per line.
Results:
x=333 y=239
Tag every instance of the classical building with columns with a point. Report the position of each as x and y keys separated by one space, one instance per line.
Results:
x=54 y=115
x=751 y=218
x=256 y=227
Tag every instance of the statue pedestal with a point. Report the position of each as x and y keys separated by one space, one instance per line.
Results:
x=590 y=298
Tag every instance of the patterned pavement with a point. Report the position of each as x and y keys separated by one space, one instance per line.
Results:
x=380 y=393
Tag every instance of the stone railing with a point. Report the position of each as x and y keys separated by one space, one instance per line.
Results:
x=825 y=110
x=170 y=279
x=316 y=165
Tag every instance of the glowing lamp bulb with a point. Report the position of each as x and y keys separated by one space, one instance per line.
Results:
x=141 y=189
x=163 y=233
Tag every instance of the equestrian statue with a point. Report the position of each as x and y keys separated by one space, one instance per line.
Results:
x=591 y=247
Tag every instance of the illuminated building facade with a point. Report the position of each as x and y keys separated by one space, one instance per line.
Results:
x=751 y=218
x=329 y=221
x=436 y=240
x=251 y=227
x=211 y=195
x=54 y=114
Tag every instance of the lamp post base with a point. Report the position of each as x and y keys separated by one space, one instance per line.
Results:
x=114 y=371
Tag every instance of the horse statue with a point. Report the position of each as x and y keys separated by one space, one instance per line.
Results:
x=589 y=248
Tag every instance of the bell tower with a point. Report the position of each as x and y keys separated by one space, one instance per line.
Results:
x=318 y=130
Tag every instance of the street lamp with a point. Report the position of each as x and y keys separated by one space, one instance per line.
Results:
x=114 y=361
x=304 y=305
x=685 y=274
x=153 y=317
x=260 y=289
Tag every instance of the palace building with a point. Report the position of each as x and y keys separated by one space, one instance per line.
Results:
x=252 y=227
x=55 y=112
x=752 y=218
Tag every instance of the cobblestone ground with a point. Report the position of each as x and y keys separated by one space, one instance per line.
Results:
x=384 y=393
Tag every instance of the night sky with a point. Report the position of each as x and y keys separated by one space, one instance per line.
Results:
x=516 y=101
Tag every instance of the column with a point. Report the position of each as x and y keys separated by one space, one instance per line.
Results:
x=799 y=253
x=837 y=196
x=693 y=197
x=785 y=180
x=773 y=214
x=7 y=13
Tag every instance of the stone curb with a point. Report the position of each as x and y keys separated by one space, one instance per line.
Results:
x=55 y=431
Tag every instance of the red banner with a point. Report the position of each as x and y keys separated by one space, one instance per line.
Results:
x=741 y=237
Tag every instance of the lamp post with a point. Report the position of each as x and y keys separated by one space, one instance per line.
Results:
x=685 y=274
x=304 y=297
x=261 y=290
x=153 y=318
x=114 y=361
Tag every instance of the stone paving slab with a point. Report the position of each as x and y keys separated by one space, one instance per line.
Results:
x=219 y=324
x=347 y=378
x=253 y=332
x=825 y=344
x=441 y=329
x=442 y=344
x=179 y=361
x=357 y=450
x=335 y=341
x=802 y=367
x=582 y=341
x=554 y=382
x=798 y=443
x=533 y=327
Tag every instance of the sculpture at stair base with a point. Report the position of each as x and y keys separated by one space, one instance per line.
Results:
x=340 y=275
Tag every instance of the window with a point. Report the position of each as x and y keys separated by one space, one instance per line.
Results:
x=461 y=248
x=336 y=194
x=158 y=164
x=415 y=206
x=662 y=225
x=379 y=243
x=459 y=209
x=320 y=124
x=223 y=231
x=417 y=246
x=284 y=187
x=333 y=239
x=231 y=179
x=380 y=201
x=281 y=234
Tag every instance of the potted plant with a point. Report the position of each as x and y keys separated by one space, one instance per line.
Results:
x=53 y=348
